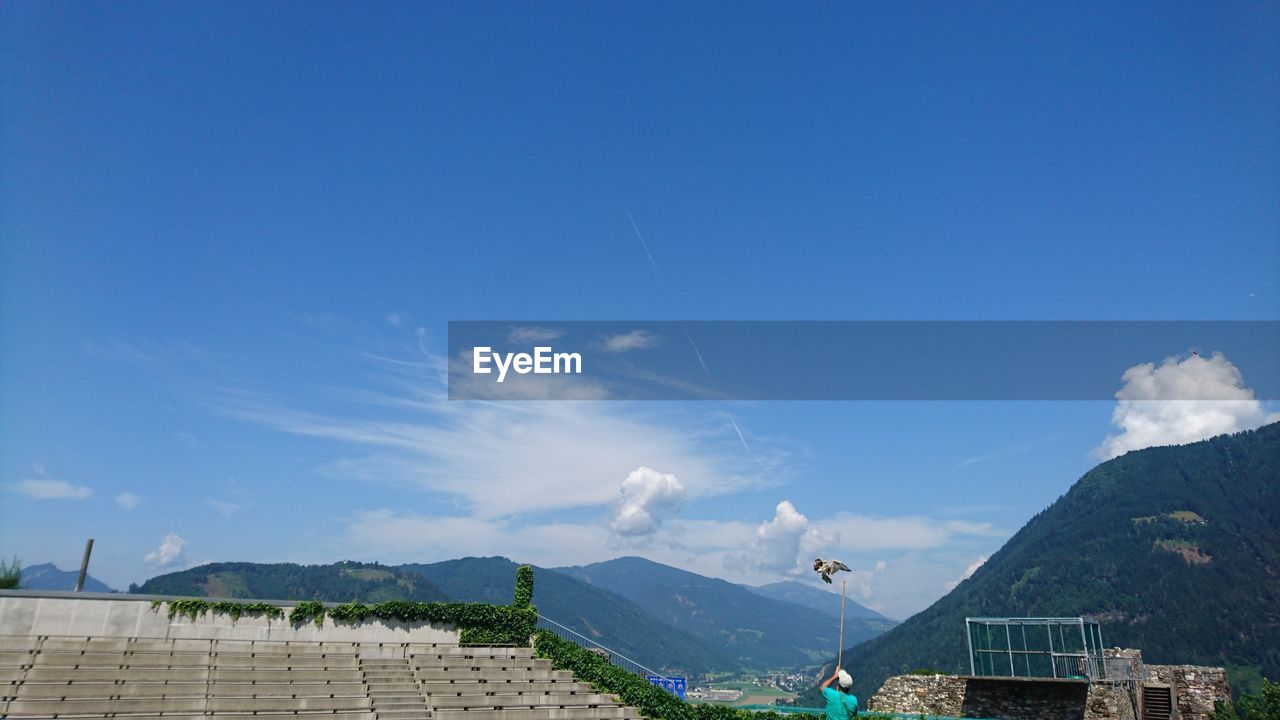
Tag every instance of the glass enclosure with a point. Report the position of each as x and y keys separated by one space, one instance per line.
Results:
x=1062 y=648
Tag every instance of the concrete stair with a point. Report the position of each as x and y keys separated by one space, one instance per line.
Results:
x=392 y=689
x=174 y=679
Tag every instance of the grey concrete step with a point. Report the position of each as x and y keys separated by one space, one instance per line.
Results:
x=67 y=674
x=417 y=714
x=187 y=705
x=522 y=700
x=427 y=674
x=462 y=661
x=481 y=687
x=95 y=705
x=307 y=675
x=271 y=704
x=33 y=690
x=617 y=712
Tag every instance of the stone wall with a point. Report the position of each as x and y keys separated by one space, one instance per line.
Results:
x=1196 y=687
x=1007 y=699
x=31 y=612
x=1025 y=699
x=1110 y=702
x=929 y=694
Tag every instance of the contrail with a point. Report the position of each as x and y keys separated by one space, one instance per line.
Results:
x=640 y=237
x=745 y=445
x=700 y=360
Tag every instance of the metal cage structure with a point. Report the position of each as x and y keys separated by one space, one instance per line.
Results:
x=1053 y=648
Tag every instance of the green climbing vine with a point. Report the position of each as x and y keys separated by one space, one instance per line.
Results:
x=195 y=608
x=478 y=623
x=524 y=587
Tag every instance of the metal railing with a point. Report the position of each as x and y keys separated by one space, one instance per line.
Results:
x=613 y=656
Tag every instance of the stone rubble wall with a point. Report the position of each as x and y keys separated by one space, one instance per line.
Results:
x=929 y=694
x=1197 y=688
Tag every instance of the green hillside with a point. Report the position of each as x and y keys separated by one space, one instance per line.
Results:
x=340 y=582
x=762 y=633
x=1176 y=551
x=606 y=618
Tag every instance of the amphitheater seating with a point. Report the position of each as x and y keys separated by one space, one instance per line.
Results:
x=172 y=679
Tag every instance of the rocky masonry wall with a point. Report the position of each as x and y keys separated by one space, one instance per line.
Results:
x=928 y=694
x=982 y=697
x=1197 y=688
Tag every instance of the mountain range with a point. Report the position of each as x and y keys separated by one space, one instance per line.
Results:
x=46 y=576
x=759 y=631
x=1174 y=550
x=658 y=616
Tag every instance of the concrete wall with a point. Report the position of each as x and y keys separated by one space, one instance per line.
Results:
x=32 y=612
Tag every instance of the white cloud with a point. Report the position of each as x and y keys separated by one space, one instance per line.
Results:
x=389 y=536
x=514 y=458
x=224 y=508
x=642 y=498
x=786 y=544
x=634 y=340
x=46 y=489
x=1181 y=402
x=865 y=583
x=169 y=553
x=394 y=319
x=968 y=572
x=532 y=333
x=127 y=501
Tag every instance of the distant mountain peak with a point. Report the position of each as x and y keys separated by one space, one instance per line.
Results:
x=47 y=576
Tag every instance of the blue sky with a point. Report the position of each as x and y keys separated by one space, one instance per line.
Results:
x=233 y=234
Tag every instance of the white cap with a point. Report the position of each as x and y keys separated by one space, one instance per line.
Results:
x=845 y=679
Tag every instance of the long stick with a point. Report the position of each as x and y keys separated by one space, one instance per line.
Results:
x=840 y=652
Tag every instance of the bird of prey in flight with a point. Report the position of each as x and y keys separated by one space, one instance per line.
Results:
x=827 y=568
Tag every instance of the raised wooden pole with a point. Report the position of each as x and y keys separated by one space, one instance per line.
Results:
x=84 y=566
x=840 y=652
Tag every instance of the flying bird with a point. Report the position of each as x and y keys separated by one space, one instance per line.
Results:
x=827 y=568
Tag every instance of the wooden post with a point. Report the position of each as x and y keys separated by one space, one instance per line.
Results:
x=84 y=566
x=840 y=652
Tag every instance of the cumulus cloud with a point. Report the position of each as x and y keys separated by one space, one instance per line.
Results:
x=968 y=572
x=642 y=499
x=1181 y=401
x=127 y=501
x=532 y=333
x=46 y=489
x=864 y=583
x=785 y=544
x=169 y=553
x=634 y=340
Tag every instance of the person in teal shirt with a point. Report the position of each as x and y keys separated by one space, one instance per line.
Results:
x=841 y=704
